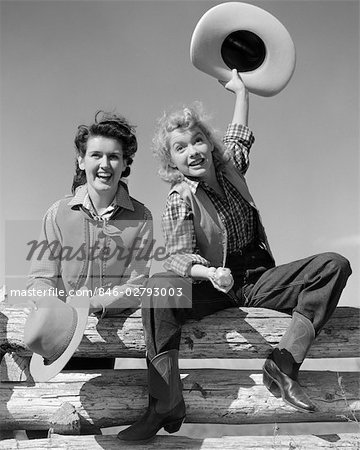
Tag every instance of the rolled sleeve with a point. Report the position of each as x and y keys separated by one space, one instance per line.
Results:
x=179 y=235
x=182 y=263
x=46 y=260
x=238 y=140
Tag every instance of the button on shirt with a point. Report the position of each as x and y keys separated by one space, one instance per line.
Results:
x=237 y=216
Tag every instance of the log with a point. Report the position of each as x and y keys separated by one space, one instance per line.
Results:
x=66 y=420
x=14 y=367
x=232 y=333
x=297 y=442
x=118 y=397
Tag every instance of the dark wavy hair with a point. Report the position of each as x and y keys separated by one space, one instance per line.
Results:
x=108 y=125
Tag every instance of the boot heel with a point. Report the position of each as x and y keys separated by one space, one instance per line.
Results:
x=173 y=427
x=270 y=384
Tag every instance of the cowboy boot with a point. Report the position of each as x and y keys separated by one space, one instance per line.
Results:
x=166 y=407
x=280 y=371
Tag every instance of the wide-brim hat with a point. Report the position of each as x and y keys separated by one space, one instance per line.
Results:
x=53 y=331
x=247 y=38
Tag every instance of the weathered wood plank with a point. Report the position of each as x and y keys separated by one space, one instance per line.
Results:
x=233 y=333
x=297 y=442
x=14 y=367
x=118 y=397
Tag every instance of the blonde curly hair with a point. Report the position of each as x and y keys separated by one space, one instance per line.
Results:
x=184 y=118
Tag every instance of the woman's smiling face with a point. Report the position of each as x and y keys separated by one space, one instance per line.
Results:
x=103 y=164
x=191 y=152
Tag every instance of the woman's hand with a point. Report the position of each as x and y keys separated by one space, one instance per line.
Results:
x=95 y=305
x=241 y=108
x=30 y=306
x=235 y=84
x=221 y=278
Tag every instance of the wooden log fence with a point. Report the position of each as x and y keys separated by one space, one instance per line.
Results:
x=243 y=333
x=75 y=405
x=299 y=442
x=118 y=397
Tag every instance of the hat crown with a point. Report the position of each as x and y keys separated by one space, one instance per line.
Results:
x=53 y=331
x=243 y=50
x=50 y=327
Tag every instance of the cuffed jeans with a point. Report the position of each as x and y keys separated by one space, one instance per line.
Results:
x=311 y=286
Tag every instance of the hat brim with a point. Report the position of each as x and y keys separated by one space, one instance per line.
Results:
x=216 y=24
x=42 y=372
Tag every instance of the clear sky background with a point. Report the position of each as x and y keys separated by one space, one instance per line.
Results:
x=63 y=60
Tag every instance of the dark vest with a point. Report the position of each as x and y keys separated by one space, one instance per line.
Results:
x=209 y=230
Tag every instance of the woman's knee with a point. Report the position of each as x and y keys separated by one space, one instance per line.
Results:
x=339 y=262
x=166 y=289
x=164 y=280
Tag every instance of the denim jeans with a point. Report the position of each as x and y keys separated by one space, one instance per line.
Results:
x=311 y=286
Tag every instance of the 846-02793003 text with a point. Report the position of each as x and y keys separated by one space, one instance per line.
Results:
x=115 y=291
x=132 y=291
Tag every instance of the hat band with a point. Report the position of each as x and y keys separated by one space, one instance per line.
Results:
x=66 y=342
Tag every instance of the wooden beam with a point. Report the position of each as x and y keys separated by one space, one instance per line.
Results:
x=119 y=397
x=232 y=333
x=14 y=367
x=296 y=442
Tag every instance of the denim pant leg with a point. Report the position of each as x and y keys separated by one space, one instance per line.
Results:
x=311 y=286
x=168 y=302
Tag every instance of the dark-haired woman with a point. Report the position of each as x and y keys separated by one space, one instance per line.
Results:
x=97 y=241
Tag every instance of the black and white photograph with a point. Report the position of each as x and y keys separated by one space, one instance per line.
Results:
x=180 y=224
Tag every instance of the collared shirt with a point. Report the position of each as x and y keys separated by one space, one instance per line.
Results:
x=237 y=216
x=121 y=200
x=117 y=274
x=88 y=205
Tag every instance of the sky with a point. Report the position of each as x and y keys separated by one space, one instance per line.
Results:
x=61 y=61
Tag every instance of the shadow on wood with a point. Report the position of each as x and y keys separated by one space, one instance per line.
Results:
x=233 y=333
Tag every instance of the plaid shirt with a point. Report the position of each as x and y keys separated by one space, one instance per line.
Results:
x=237 y=216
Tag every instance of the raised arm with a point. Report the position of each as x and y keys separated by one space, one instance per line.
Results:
x=238 y=138
x=241 y=108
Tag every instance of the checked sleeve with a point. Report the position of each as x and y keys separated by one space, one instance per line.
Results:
x=238 y=140
x=179 y=235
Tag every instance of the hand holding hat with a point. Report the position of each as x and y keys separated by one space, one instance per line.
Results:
x=235 y=84
x=53 y=331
